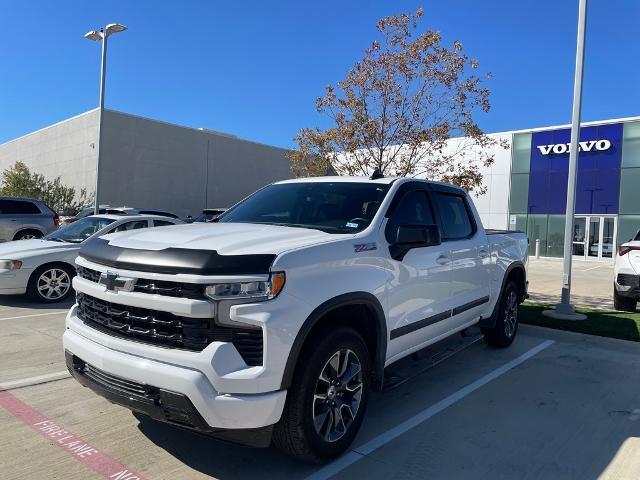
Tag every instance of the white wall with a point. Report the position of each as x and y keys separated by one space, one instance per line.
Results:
x=493 y=206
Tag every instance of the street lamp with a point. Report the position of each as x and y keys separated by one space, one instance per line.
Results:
x=565 y=310
x=97 y=35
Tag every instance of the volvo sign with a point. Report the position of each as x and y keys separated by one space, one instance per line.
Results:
x=560 y=148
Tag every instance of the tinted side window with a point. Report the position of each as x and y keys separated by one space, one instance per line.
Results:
x=18 y=207
x=413 y=209
x=456 y=217
x=131 y=226
x=162 y=223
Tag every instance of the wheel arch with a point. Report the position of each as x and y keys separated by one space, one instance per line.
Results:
x=51 y=263
x=516 y=272
x=27 y=229
x=325 y=314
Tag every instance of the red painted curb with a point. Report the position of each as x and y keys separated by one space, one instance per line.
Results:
x=77 y=448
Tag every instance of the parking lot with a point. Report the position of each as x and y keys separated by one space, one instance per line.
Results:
x=591 y=282
x=554 y=405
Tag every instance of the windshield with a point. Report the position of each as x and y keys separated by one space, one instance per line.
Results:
x=79 y=230
x=338 y=207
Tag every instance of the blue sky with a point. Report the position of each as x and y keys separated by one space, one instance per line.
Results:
x=254 y=68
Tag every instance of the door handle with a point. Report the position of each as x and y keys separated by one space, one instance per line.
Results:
x=443 y=260
x=483 y=253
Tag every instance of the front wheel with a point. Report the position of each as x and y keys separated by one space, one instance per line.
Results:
x=506 y=326
x=327 y=399
x=50 y=283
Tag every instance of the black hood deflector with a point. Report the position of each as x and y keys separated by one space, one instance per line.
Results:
x=175 y=260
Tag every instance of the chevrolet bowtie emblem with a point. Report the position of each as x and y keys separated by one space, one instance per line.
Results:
x=114 y=283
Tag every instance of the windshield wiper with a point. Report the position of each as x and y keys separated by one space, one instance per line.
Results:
x=55 y=239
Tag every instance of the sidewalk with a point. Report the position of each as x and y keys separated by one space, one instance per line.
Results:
x=591 y=282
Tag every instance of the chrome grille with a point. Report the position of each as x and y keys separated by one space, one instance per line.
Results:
x=166 y=329
x=153 y=287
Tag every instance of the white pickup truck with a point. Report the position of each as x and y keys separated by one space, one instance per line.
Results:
x=275 y=323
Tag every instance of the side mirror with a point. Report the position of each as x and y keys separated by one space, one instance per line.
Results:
x=414 y=236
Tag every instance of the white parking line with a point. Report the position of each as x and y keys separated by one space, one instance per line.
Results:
x=357 y=453
x=35 y=315
x=27 y=382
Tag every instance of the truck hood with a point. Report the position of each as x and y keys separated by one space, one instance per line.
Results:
x=225 y=238
x=205 y=249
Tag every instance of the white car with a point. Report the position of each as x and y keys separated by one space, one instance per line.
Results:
x=626 y=276
x=43 y=268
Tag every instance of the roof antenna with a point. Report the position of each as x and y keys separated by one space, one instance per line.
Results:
x=376 y=174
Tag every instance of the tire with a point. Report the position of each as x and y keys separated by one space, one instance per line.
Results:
x=54 y=275
x=28 y=235
x=506 y=326
x=305 y=431
x=623 y=304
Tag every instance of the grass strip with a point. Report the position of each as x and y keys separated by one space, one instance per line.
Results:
x=603 y=323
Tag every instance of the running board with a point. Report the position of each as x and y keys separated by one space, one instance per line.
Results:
x=423 y=360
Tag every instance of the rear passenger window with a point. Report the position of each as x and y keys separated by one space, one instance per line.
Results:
x=18 y=207
x=413 y=209
x=456 y=218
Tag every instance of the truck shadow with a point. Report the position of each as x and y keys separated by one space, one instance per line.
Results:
x=219 y=459
x=23 y=301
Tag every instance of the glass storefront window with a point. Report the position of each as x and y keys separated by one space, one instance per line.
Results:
x=521 y=153
x=631 y=145
x=555 y=236
x=519 y=196
x=521 y=223
x=629 y=191
x=537 y=229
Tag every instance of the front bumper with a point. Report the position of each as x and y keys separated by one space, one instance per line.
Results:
x=217 y=410
x=159 y=404
x=627 y=284
x=14 y=282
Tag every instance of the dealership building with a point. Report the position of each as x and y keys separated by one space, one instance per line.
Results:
x=148 y=163
x=527 y=187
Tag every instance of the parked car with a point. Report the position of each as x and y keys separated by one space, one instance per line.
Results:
x=43 y=268
x=626 y=276
x=209 y=215
x=139 y=211
x=276 y=325
x=25 y=218
x=70 y=217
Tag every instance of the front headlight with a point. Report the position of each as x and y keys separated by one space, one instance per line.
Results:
x=10 y=265
x=265 y=290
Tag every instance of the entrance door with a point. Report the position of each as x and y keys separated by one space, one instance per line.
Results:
x=579 y=236
x=594 y=237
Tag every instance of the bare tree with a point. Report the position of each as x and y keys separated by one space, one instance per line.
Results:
x=397 y=109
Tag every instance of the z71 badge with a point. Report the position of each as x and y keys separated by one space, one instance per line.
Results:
x=364 y=247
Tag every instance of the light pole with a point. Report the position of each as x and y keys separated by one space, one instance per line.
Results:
x=565 y=310
x=97 y=35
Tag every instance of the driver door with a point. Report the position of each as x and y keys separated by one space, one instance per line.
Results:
x=419 y=306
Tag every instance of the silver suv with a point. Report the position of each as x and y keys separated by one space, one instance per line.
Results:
x=24 y=218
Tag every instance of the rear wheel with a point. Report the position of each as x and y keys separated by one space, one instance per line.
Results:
x=327 y=399
x=506 y=326
x=28 y=235
x=50 y=283
x=623 y=304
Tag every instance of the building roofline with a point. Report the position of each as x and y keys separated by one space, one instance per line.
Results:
x=202 y=130
x=49 y=126
x=568 y=125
